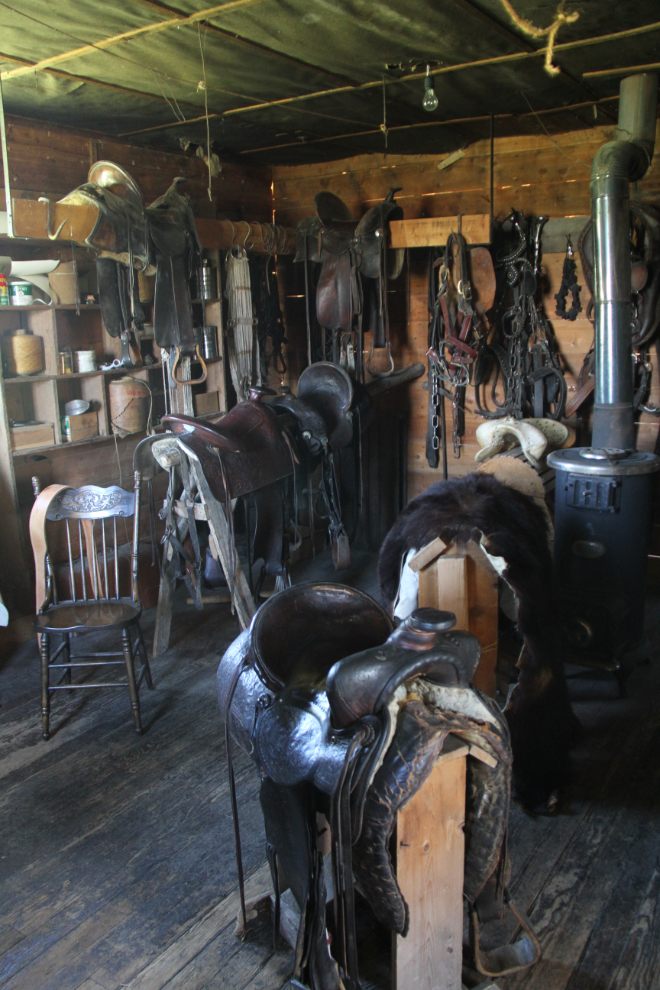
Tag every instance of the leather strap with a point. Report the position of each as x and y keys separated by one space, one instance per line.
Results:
x=580 y=396
x=505 y=959
x=44 y=577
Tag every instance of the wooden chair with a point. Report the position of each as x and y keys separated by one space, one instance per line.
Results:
x=92 y=603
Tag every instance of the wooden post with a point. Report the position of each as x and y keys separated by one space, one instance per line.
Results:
x=466 y=584
x=429 y=866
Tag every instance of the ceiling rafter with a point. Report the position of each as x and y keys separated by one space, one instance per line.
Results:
x=118 y=39
x=436 y=123
x=441 y=70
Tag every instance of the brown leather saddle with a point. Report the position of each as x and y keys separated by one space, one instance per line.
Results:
x=129 y=238
x=356 y=262
x=243 y=451
x=249 y=451
x=344 y=718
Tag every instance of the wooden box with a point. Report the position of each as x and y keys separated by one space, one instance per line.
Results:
x=81 y=427
x=34 y=435
x=206 y=403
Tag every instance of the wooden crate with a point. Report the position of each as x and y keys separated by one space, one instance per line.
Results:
x=34 y=435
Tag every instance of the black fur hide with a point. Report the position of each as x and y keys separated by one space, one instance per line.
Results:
x=543 y=726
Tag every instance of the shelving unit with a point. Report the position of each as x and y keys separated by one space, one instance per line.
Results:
x=42 y=397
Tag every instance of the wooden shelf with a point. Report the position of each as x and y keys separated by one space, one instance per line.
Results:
x=45 y=307
x=28 y=379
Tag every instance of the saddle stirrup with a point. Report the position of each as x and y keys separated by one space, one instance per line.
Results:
x=390 y=361
x=505 y=959
x=191 y=381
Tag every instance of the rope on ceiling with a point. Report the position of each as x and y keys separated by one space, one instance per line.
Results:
x=561 y=17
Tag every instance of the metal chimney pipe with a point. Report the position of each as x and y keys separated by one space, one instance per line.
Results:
x=615 y=165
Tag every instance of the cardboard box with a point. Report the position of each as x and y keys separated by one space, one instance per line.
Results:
x=206 y=402
x=34 y=435
x=80 y=427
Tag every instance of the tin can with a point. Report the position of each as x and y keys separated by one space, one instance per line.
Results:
x=4 y=291
x=210 y=342
x=85 y=361
x=21 y=294
x=207 y=283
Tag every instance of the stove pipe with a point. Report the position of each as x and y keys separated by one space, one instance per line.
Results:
x=615 y=166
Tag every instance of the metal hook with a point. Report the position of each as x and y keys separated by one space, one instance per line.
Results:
x=51 y=236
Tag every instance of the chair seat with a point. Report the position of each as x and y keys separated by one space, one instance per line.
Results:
x=80 y=616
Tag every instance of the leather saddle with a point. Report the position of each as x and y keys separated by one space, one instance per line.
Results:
x=323 y=408
x=128 y=238
x=351 y=252
x=344 y=717
x=241 y=452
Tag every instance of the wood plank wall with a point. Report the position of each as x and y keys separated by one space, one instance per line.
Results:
x=545 y=174
x=51 y=161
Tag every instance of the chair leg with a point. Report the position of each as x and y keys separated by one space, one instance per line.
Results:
x=67 y=654
x=44 y=652
x=130 y=674
x=142 y=650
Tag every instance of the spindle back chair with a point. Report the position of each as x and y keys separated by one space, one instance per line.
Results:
x=93 y=599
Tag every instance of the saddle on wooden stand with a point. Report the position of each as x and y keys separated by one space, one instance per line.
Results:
x=351 y=295
x=251 y=452
x=345 y=717
x=160 y=239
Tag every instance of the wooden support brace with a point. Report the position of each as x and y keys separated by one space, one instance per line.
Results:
x=465 y=583
x=220 y=535
x=434 y=231
x=430 y=850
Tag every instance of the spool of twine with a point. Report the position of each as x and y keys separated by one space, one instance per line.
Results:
x=24 y=353
x=146 y=287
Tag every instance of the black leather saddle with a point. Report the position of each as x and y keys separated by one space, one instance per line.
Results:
x=344 y=717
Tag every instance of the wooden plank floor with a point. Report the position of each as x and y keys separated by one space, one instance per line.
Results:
x=116 y=852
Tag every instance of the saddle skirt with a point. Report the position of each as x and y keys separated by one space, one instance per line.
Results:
x=345 y=717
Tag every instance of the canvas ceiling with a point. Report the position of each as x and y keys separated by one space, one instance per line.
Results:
x=320 y=56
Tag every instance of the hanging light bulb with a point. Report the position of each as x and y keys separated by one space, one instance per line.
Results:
x=430 y=101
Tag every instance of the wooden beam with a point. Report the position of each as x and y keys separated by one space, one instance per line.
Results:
x=434 y=231
x=624 y=70
x=117 y=39
x=30 y=220
x=428 y=123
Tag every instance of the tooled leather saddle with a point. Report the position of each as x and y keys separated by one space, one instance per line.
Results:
x=344 y=717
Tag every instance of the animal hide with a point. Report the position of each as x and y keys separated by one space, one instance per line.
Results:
x=543 y=726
